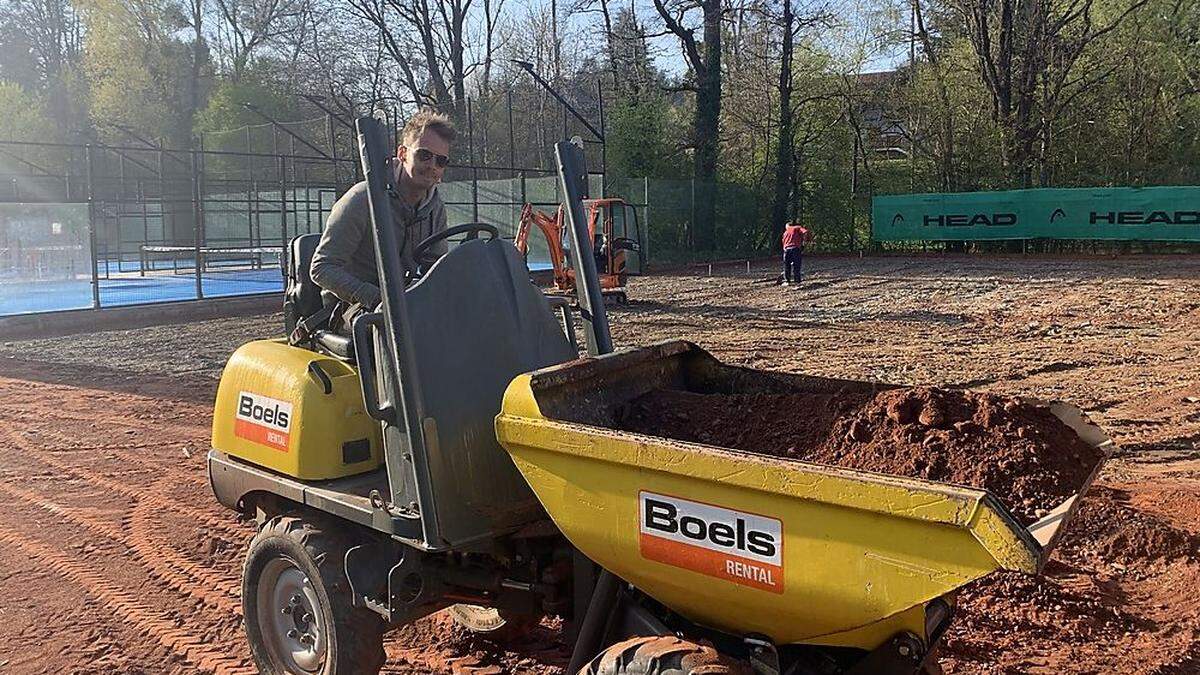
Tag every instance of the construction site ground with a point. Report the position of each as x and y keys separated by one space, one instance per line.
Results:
x=114 y=557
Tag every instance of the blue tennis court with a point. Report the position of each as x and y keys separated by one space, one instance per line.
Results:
x=50 y=296
x=28 y=297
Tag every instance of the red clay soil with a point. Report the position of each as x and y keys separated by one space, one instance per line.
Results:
x=1020 y=452
x=1121 y=594
x=438 y=644
x=116 y=559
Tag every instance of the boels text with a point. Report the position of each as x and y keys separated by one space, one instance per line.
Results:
x=263 y=420
x=664 y=517
x=273 y=414
x=743 y=548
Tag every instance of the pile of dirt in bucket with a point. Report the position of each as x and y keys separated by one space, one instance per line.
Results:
x=1019 y=451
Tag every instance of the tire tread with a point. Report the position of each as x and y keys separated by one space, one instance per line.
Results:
x=358 y=632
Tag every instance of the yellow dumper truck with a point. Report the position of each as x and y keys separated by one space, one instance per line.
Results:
x=453 y=451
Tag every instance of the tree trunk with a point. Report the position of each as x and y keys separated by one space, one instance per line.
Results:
x=783 y=168
x=707 y=126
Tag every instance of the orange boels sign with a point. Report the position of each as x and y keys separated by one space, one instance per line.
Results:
x=744 y=548
x=263 y=420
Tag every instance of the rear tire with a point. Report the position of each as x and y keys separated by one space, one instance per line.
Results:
x=662 y=656
x=296 y=605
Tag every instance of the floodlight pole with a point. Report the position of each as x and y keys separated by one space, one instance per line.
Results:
x=319 y=101
x=528 y=67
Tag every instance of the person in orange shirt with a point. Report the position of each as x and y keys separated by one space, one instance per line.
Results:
x=795 y=236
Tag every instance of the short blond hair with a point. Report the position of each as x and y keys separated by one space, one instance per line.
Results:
x=428 y=119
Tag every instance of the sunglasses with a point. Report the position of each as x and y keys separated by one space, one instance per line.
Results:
x=424 y=155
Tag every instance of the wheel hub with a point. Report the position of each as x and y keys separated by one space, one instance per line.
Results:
x=289 y=616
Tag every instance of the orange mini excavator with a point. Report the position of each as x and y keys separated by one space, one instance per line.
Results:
x=615 y=235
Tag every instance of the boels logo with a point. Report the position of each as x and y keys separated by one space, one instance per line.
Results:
x=744 y=548
x=263 y=420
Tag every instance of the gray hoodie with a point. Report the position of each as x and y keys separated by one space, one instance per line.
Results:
x=344 y=262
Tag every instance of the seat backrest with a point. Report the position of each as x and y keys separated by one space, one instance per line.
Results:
x=302 y=297
x=476 y=323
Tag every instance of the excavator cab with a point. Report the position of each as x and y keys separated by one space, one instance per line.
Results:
x=616 y=238
x=617 y=223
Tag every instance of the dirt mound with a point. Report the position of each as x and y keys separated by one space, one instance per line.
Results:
x=1020 y=452
x=1108 y=527
x=1077 y=607
x=1112 y=598
x=438 y=644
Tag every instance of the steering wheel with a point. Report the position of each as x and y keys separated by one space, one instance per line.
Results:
x=473 y=230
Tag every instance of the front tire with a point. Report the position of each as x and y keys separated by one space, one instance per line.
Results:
x=662 y=656
x=296 y=605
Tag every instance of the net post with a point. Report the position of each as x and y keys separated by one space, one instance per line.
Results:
x=90 y=167
x=197 y=221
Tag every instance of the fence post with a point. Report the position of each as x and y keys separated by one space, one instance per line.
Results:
x=512 y=139
x=283 y=229
x=854 y=192
x=162 y=201
x=90 y=168
x=332 y=147
x=603 y=140
x=691 y=223
x=474 y=164
x=197 y=223
x=646 y=243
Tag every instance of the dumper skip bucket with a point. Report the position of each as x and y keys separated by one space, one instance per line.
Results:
x=746 y=543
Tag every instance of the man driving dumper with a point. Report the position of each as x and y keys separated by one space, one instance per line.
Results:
x=344 y=262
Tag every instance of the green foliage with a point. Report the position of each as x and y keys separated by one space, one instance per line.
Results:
x=225 y=111
x=641 y=139
x=135 y=67
x=23 y=115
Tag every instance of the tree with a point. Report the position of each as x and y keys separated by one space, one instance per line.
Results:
x=704 y=63
x=136 y=68
x=939 y=70
x=1027 y=54
x=195 y=11
x=784 y=148
x=430 y=41
x=247 y=26
x=22 y=115
x=41 y=42
x=635 y=76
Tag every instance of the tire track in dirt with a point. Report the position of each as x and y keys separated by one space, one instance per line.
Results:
x=162 y=563
x=159 y=626
x=215 y=589
x=18 y=414
x=158 y=500
x=126 y=451
x=141 y=461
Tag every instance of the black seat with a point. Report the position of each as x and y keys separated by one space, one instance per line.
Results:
x=302 y=297
x=334 y=344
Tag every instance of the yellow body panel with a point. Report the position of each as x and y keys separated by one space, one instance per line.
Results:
x=272 y=411
x=860 y=553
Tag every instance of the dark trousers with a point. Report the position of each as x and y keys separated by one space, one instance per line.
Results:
x=791 y=264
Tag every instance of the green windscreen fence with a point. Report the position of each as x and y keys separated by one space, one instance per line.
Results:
x=1147 y=214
